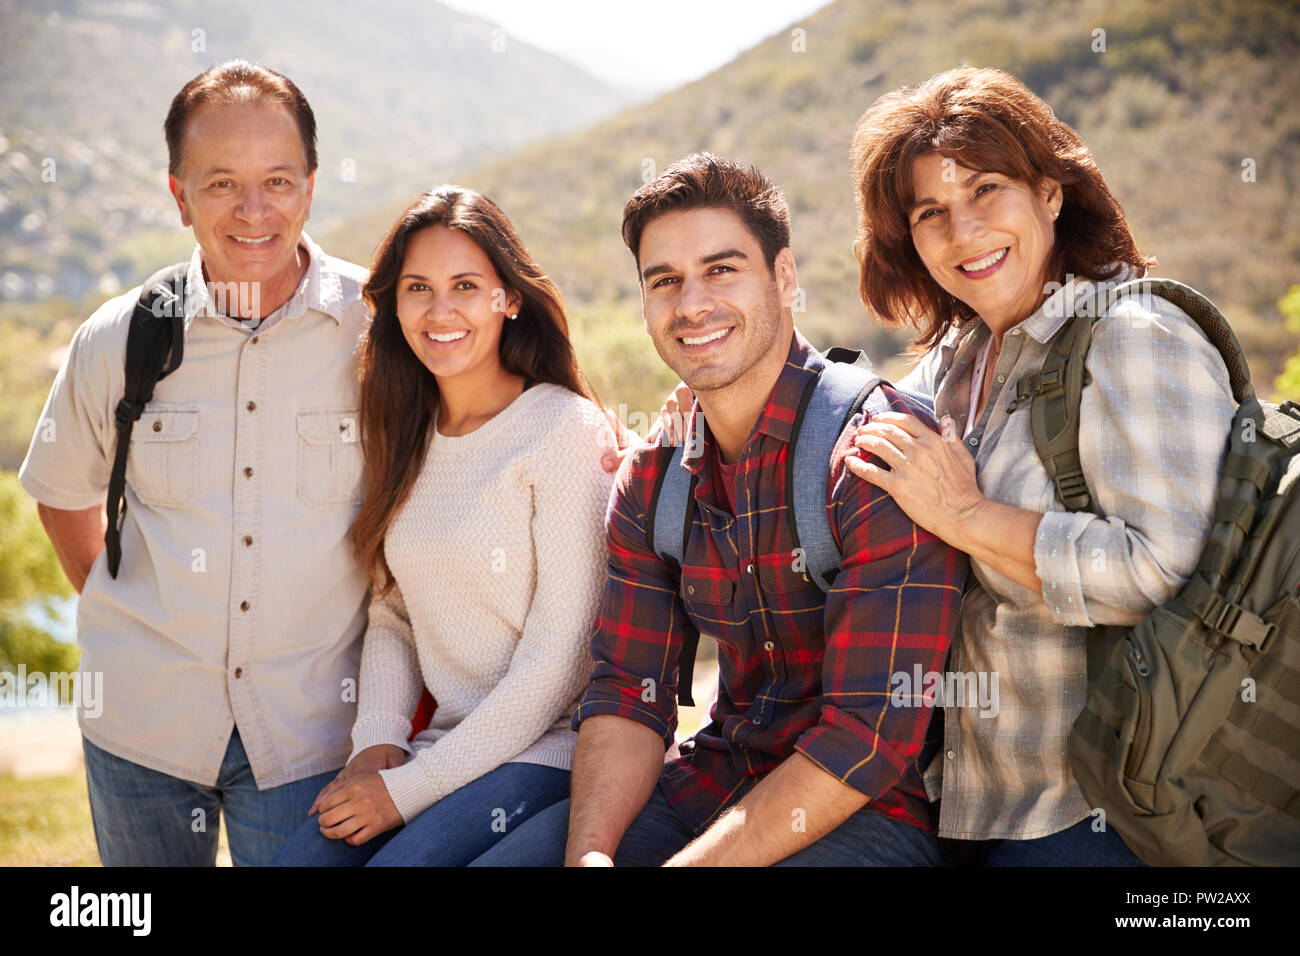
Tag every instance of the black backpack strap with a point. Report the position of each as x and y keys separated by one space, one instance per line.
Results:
x=155 y=346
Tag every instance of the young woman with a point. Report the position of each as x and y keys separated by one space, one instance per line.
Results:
x=984 y=221
x=486 y=553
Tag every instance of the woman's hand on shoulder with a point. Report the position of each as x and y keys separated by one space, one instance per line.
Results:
x=930 y=476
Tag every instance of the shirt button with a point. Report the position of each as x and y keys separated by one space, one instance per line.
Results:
x=1002 y=378
x=239 y=672
x=690 y=589
x=758 y=721
x=248 y=473
x=243 y=605
x=157 y=426
x=248 y=540
x=974 y=441
x=767 y=646
x=1015 y=331
x=952 y=755
x=254 y=340
x=252 y=406
x=750 y=569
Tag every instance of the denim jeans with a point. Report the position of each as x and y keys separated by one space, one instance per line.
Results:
x=452 y=832
x=866 y=838
x=1078 y=845
x=144 y=817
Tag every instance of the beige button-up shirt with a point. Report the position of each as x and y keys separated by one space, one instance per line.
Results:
x=1153 y=430
x=239 y=601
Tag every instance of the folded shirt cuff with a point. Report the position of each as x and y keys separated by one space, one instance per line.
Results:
x=1056 y=559
x=847 y=749
x=626 y=705
x=372 y=731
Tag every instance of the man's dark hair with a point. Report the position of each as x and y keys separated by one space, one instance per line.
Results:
x=236 y=83
x=704 y=181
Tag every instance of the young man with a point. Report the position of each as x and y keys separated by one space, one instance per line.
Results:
x=229 y=640
x=805 y=761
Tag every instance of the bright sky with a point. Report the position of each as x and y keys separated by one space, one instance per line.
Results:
x=650 y=46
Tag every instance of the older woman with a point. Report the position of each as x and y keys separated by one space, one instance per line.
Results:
x=983 y=222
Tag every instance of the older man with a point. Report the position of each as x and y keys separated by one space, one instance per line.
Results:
x=229 y=639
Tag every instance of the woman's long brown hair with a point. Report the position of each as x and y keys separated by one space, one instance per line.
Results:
x=399 y=396
x=986 y=120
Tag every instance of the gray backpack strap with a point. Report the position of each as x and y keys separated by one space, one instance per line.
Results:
x=829 y=401
x=668 y=523
x=666 y=517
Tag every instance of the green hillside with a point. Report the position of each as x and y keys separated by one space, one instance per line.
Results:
x=402 y=89
x=1183 y=92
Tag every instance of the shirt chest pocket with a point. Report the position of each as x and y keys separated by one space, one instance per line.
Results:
x=162 y=465
x=707 y=593
x=330 y=462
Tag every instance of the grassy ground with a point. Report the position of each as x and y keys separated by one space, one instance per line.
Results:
x=45 y=821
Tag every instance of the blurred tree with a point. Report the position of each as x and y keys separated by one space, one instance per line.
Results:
x=29 y=571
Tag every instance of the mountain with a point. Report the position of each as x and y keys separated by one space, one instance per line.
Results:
x=1172 y=98
x=402 y=90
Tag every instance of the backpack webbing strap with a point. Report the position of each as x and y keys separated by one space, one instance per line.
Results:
x=1236 y=769
x=1055 y=393
x=1267 y=727
x=1273 y=674
x=844 y=383
x=155 y=346
x=1056 y=389
x=668 y=526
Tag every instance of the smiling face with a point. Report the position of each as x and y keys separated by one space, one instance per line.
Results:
x=448 y=303
x=984 y=237
x=712 y=306
x=243 y=185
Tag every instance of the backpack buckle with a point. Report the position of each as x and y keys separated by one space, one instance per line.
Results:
x=127 y=412
x=1073 y=489
x=1235 y=622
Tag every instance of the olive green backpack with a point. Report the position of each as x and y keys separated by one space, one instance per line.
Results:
x=1190 y=740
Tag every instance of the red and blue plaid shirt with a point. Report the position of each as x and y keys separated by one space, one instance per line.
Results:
x=798 y=669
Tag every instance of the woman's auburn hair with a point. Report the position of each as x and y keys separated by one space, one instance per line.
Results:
x=986 y=120
x=399 y=395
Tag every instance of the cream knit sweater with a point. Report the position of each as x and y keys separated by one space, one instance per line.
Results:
x=499 y=563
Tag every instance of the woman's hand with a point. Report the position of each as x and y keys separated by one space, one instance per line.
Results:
x=932 y=477
x=626 y=439
x=371 y=760
x=359 y=810
x=671 y=415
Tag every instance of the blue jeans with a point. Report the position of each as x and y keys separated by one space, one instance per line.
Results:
x=144 y=817
x=866 y=838
x=1078 y=845
x=452 y=832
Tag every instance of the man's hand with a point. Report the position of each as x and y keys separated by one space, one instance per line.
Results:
x=371 y=760
x=359 y=810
